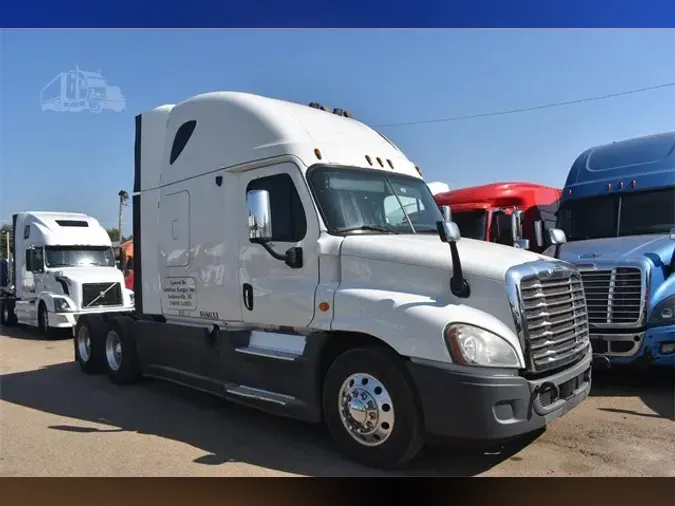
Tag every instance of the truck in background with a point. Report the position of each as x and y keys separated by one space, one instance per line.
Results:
x=519 y=214
x=618 y=213
x=63 y=267
x=267 y=273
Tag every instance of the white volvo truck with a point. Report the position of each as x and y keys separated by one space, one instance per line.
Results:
x=63 y=267
x=268 y=273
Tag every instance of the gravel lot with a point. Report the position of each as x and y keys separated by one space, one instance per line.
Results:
x=55 y=421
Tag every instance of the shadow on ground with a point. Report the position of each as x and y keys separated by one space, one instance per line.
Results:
x=654 y=387
x=225 y=432
x=32 y=334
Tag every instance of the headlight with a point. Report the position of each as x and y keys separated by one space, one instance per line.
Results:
x=471 y=345
x=61 y=305
x=664 y=312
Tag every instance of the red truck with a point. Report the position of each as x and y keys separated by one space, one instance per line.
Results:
x=516 y=214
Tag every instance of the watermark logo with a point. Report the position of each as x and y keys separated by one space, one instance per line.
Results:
x=81 y=90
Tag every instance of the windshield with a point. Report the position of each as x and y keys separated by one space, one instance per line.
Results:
x=72 y=256
x=373 y=201
x=645 y=212
x=472 y=224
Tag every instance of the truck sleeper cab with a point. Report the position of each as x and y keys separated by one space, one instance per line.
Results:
x=63 y=267
x=626 y=253
x=519 y=214
x=267 y=272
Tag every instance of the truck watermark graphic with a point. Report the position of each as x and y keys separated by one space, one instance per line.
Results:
x=80 y=90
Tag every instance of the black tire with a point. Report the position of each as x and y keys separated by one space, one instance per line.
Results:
x=94 y=327
x=7 y=315
x=129 y=370
x=406 y=437
x=43 y=321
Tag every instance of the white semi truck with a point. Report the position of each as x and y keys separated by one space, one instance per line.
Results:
x=267 y=272
x=63 y=267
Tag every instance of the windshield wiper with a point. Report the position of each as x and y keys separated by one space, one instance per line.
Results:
x=372 y=228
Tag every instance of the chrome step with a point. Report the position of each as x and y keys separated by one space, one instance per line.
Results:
x=267 y=352
x=260 y=394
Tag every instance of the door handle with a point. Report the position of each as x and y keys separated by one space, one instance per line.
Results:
x=248 y=296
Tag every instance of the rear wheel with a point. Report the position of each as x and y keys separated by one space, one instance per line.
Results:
x=371 y=409
x=121 y=355
x=7 y=316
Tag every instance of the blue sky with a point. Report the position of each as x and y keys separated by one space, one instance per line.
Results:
x=79 y=161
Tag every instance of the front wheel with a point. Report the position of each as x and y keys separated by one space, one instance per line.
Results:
x=371 y=409
x=43 y=321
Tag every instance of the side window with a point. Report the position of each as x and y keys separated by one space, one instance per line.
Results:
x=26 y=232
x=289 y=223
x=38 y=264
x=500 y=231
x=183 y=135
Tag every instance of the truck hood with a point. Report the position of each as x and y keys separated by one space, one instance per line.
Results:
x=479 y=258
x=618 y=248
x=90 y=274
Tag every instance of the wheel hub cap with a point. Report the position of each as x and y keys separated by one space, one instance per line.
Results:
x=366 y=409
x=113 y=350
x=84 y=344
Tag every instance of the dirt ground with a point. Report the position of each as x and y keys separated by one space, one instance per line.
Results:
x=56 y=421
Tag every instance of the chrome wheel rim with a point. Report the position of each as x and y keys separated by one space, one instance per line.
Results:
x=366 y=409
x=84 y=343
x=113 y=350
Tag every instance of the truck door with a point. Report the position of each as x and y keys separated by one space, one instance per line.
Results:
x=272 y=293
x=26 y=308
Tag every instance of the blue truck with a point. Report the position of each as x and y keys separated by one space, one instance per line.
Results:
x=618 y=215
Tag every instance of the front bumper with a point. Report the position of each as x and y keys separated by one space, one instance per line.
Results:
x=69 y=319
x=648 y=351
x=490 y=408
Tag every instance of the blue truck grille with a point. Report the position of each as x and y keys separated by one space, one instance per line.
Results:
x=613 y=296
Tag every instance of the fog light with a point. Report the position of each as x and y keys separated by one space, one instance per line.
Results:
x=667 y=348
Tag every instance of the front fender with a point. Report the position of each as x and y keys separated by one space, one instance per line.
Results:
x=411 y=324
x=48 y=299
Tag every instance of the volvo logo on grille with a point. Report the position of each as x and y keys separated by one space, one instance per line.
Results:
x=101 y=294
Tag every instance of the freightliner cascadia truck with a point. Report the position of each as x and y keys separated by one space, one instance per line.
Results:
x=618 y=214
x=266 y=272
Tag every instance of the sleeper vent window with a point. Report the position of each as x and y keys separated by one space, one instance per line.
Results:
x=72 y=223
x=182 y=137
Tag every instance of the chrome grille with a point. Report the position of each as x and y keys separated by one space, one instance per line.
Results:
x=613 y=295
x=555 y=320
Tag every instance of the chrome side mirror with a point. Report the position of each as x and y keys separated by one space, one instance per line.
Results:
x=447 y=213
x=558 y=238
x=539 y=233
x=448 y=231
x=522 y=243
x=259 y=216
x=517 y=225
